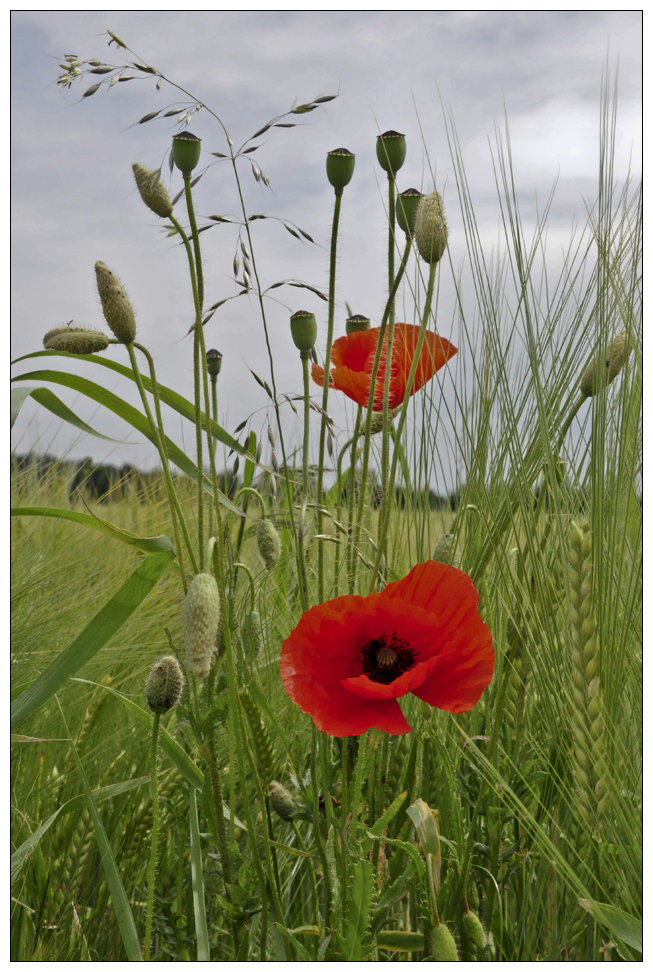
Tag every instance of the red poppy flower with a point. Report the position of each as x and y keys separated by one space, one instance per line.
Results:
x=350 y=659
x=352 y=359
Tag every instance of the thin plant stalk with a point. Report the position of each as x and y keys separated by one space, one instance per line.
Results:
x=154 y=839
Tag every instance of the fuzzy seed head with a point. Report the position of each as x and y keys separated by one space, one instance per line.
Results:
x=269 y=545
x=154 y=195
x=444 y=945
x=164 y=685
x=599 y=373
x=200 y=619
x=75 y=340
x=431 y=231
x=116 y=306
x=281 y=800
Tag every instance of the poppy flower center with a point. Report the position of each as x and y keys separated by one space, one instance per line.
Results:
x=385 y=658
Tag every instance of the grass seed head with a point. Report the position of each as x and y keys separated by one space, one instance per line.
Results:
x=116 y=306
x=200 y=619
x=75 y=340
x=164 y=685
x=431 y=228
x=269 y=545
x=153 y=193
x=599 y=372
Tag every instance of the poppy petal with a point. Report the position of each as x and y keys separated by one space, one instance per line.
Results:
x=459 y=678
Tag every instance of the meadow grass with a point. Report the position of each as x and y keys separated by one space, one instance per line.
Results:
x=536 y=790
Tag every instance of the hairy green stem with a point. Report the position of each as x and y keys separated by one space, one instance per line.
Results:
x=154 y=839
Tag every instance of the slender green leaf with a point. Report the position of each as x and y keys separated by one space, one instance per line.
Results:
x=50 y=401
x=358 y=910
x=160 y=544
x=302 y=954
x=389 y=815
x=618 y=922
x=197 y=879
x=94 y=636
x=400 y=941
x=119 y=898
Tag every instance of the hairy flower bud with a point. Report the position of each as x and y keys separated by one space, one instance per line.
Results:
x=473 y=936
x=186 y=151
x=304 y=330
x=340 y=165
x=281 y=800
x=442 y=549
x=75 y=340
x=200 y=619
x=153 y=193
x=358 y=322
x=391 y=151
x=164 y=685
x=600 y=373
x=116 y=306
x=444 y=944
x=252 y=634
x=431 y=228
x=269 y=545
x=407 y=203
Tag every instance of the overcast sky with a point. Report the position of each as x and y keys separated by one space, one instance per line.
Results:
x=74 y=200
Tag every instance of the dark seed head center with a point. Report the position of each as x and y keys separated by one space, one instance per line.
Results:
x=385 y=658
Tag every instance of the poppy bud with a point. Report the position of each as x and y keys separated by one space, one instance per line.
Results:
x=358 y=322
x=407 y=203
x=473 y=936
x=304 y=330
x=213 y=363
x=155 y=196
x=252 y=634
x=444 y=944
x=281 y=800
x=116 y=306
x=186 y=150
x=200 y=619
x=164 y=685
x=442 y=550
x=340 y=168
x=391 y=152
x=75 y=340
x=598 y=374
x=431 y=228
x=269 y=545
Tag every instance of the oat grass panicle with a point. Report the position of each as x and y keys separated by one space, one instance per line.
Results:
x=379 y=700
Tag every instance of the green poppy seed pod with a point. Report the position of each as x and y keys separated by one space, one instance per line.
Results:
x=473 y=936
x=391 y=152
x=599 y=373
x=116 y=307
x=75 y=340
x=164 y=685
x=444 y=944
x=406 y=209
x=269 y=545
x=281 y=800
x=252 y=634
x=358 y=322
x=304 y=330
x=213 y=363
x=431 y=228
x=340 y=168
x=186 y=150
x=442 y=551
x=154 y=195
x=200 y=619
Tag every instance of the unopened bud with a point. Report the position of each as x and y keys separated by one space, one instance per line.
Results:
x=153 y=193
x=431 y=228
x=391 y=151
x=304 y=330
x=442 y=552
x=281 y=800
x=340 y=168
x=358 y=322
x=407 y=203
x=473 y=934
x=164 y=685
x=186 y=151
x=601 y=371
x=75 y=340
x=252 y=634
x=444 y=944
x=269 y=545
x=200 y=619
x=116 y=306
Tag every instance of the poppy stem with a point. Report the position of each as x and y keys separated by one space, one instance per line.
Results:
x=325 y=393
x=154 y=840
x=384 y=517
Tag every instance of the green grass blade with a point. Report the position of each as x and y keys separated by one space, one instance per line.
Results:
x=134 y=417
x=49 y=400
x=199 y=907
x=94 y=636
x=160 y=544
x=20 y=856
x=618 y=922
x=119 y=898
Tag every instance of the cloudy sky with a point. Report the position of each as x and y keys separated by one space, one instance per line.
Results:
x=74 y=200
